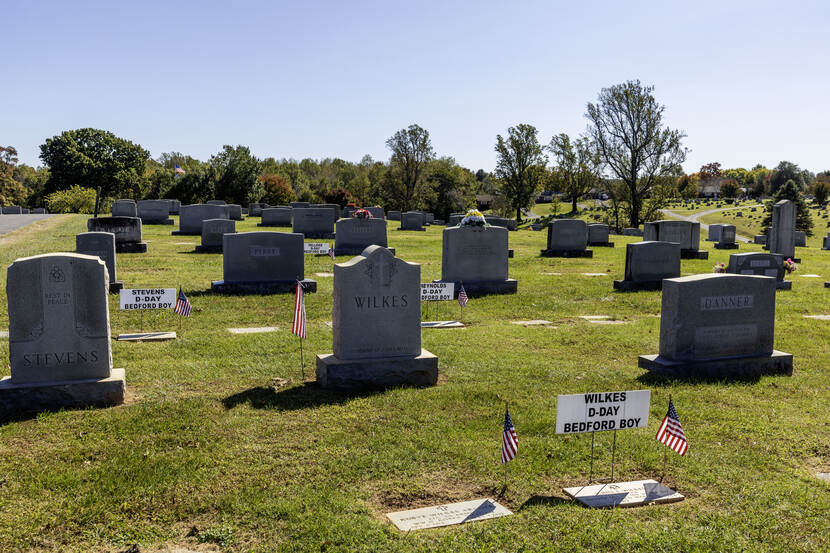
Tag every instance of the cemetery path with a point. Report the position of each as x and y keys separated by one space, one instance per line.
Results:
x=9 y=223
x=694 y=218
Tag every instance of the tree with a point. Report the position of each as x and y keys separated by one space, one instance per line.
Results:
x=448 y=183
x=729 y=189
x=95 y=159
x=12 y=191
x=821 y=189
x=411 y=151
x=578 y=166
x=276 y=189
x=237 y=175
x=687 y=186
x=786 y=171
x=626 y=128
x=520 y=166
x=789 y=191
x=710 y=171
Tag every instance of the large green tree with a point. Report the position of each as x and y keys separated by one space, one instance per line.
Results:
x=784 y=171
x=578 y=166
x=411 y=152
x=237 y=175
x=626 y=128
x=92 y=158
x=520 y=166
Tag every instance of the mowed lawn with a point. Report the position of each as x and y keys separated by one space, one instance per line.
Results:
x=223 y=446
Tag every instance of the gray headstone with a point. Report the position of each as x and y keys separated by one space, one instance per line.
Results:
x=393 y=215
x=685 y=233
x=377 y=212
x=800 y=239
x=154 y=212
x=567 y=235
x=727 y=235
x=276 y=217
x=300 y=205
x=760 y=239
x=255 y=210
x=632 y=232
x=826 y=243
x=313 y=222
x=13 y=210
x=175 y=206
x=473 y=254
x=127 y=231
x=213 y=232
x=648 y=263
x=39 y=211
x=100 y=244
x=355 y=235
x=191 y=216
x=714 y=232
x=235 y=212
x=758 y=264
x=509 y=224
x=124 y=208
x=412 y=220
x=333 y=207
x=782 y=232
x=598 y=234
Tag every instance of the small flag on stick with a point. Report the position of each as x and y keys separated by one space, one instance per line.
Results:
x=462 y=296
x=183 y=306
x=179 y=170
x=671 y=433
x=299 y=312
x=509 y=441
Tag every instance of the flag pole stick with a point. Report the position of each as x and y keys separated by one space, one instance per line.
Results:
x=613 y=454
x=302 y=363
x=504 y=487
x=591 y=472
x=665 y=454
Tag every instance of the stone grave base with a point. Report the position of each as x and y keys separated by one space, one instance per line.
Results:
x=411 y=229
x=357 y=374
x=66 y=394
x=735 y=367
x=484 y=287
x=207 y=249
x=270 y=287
x=601 y=244
x=719 y=246
x=273 y=225
x=623 y=494
x=147 y=337
x=131 y=247
x=567 y=253
x=633 y=286
x=694 y=254
x=116 y=286
x=354 y=251
x=784 y=285
x=186 y=233
x=165 y=222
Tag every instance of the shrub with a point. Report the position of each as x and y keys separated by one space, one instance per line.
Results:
x=72 y=200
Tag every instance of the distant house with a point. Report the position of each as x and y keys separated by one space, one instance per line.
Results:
x=710 y=188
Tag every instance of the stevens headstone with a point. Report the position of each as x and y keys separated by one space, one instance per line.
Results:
x=59 y=335
x=477 y=258
x=100 y=244
x=376 y=325
x=718 y=326
x=647 y=264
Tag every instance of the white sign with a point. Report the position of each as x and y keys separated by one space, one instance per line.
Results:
x=596 y=412
x=151 y=298
x=445 y=515
x=316 y=248
x=437 y=291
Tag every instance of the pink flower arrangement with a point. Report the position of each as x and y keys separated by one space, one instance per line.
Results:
x=790 y=266
x=362 y=214
x=720 y=267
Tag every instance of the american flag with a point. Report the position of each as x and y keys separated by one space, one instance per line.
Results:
x=509 y=441
x=183 y=306
x=671 y=433
x=462 y=296
x=299 y=312
x=179 y=170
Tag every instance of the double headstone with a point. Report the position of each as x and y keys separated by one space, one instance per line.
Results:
x=192 y=216
x=154 y=212
x=782 y=232
x=124 y=208
x=262 y=263
x=718 y=326
x=567 y=238
x=213 y=232
x=760 y=264
x=477 y=258
x=598 y=235
x=647 y=264
x=727 y=238
x=276 y=217
x=127 y=231
x=100 y=244
x=59 y=335
x=412 y=220
x=376 y=325
x=313 y=222
x=685 y=233
x=355 y=235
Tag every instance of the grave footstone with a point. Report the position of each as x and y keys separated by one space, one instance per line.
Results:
x=727 y=238
x=647 y=264
x=59 y=335
x=412 y=220
x=376 y=326
x=355 y=235
x=192 y=216
x=476 y=256
x=685 y=233
x=276 y=217
x=127 y=231
x=718 y=326
x=760 y=264
x=262 y=263
x=213 y=232
x=598 y=235
x=313 y=222
x=100 y=244
x=567 y=238
x=154 y=212
x=124 y=208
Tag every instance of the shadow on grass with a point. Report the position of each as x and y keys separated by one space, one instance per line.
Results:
x=290 y=399
x=546 y=500
x=658 y=379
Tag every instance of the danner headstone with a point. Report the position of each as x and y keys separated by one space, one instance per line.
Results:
x=782 y=232
x=412 y=220
x=127 y=231
x=476 y=256
x=718 y=326
x=276 y=217
x=59 y=335
x=567 y=238
x=100 y=244
x=376 y=325
x=313 y=222
x=355 y=235
x=760 y=264
x=191 y=217
x=647 y=264
x=213 y=232
x=727 y=238
x=154 y=212
x=685 y=233
x=124 y=208
x=263 y=263
x=598 y=235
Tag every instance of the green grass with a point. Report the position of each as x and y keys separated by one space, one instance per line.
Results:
x=221 y=442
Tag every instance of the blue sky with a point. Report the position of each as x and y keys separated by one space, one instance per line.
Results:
x=747 y=81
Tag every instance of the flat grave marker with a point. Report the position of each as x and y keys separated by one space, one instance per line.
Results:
x=448 y=515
